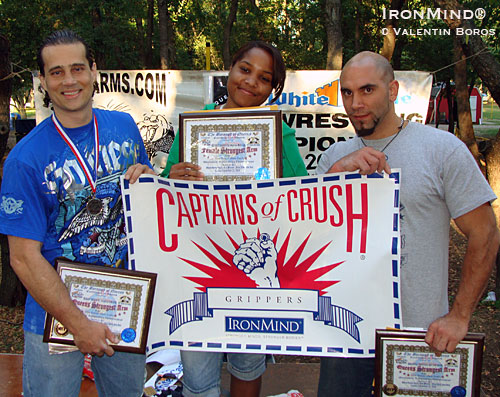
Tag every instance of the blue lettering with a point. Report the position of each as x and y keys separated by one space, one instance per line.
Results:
x=265 y=325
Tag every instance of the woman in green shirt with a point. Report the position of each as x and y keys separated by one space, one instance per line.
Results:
x=256 y=70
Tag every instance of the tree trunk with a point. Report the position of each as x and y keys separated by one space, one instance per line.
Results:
x=485 y=64
x=148 y=51
x=9 y=284
x=357 y=30
x=142 y=45
x=162 y=21
x=333 y=29
x=493 y=172
x=464 y=122
x=171 y=54
x=390 y=36
x=5 y=93
x=398 y=52
x=99 y=55
x=5 y=87
x=226 y=49
x=451 y=116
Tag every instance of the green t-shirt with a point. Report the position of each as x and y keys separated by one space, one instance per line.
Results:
x=293 y=165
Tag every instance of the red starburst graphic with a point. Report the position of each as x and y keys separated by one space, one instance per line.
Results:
x=291 y=273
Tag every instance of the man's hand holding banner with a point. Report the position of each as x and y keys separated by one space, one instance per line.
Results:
x=304 y=265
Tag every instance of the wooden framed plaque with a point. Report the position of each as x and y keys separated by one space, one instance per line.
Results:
x=233 y=145
x=406 y=366
x=122 y=299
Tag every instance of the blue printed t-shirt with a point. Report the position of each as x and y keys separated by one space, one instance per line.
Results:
x=44 y=194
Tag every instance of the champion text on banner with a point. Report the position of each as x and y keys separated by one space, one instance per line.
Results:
x=305 y=266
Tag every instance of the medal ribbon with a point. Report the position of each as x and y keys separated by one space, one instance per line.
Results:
x=79 y=157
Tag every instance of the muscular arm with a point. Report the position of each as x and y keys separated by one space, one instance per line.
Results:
x=483 y=239
x=47 y=288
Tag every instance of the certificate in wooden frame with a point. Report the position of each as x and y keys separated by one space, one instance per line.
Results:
x=233 y=145
x=406 y=366
x=122 y=299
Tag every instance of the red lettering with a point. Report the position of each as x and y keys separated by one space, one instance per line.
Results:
x=183 y=211
x=217 y=211
x=291 y=216
x=194 y=201
x=238 y=212
x=161 y=221
x=351 y=216
x=333 y=200
x=317 y=205
x=228 y=208
x=249 y=201
x=205 y=205
x=305 y=202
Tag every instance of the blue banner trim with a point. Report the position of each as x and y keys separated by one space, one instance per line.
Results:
x=287 y=182
x=131 y=246
x=309 y=180
x=127 y=202
x=293 y=348
x=243 y=187
x=222 y=187
x=146 y=179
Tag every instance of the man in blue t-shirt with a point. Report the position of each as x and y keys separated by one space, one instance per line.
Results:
x=61 y=198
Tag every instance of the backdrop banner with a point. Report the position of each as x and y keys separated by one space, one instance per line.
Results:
x=310 y=101
x=305 y=266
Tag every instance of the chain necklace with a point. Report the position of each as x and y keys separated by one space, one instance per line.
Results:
x=392 y=140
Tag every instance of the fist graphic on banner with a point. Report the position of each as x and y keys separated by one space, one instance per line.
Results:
x=257 y=259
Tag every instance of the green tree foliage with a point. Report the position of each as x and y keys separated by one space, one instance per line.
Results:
x=116 y=30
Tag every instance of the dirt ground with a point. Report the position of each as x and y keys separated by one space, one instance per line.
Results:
x=486 y=319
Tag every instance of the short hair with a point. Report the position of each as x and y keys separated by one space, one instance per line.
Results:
x=279 y=69
x=60 y=37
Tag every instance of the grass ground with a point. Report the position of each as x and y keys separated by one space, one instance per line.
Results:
x=491 y=121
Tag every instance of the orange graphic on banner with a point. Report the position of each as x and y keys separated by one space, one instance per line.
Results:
x=331 y=91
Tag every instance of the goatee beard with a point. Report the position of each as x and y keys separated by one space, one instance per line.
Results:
x=364 y=132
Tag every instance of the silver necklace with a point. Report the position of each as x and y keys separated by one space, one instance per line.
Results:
x=392 y=140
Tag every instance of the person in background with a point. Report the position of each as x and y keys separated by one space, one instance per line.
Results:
x=256 y=70
x=61 y=197
x=439 y=180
